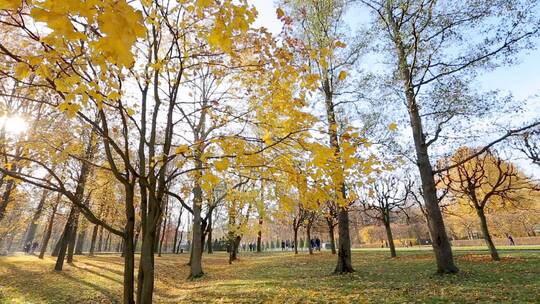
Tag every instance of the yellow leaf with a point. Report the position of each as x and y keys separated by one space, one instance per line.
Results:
x=280 y=13
x=182 y=149
x=267 y=137
x=21 y=70
x=10 y=4
x=340 y=44
x=392 y=127
x=222 y=165
x=114 y=95
x=342 y=75
x=69 y=108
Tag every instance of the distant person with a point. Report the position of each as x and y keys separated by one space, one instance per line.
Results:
x=318 y=244
x=511 y=240
x=282 y=245
x=312 y=243
x=27 y=247
x=34 y=246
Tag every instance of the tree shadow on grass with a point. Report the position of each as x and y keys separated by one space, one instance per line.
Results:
x=106 y=292
x=47 y=287
x=101 y=274
x=118 y=272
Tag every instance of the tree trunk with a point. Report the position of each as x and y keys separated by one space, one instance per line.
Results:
x=129 y=246
x=48 y=232
x=331 y=237
x=72 y=238
x=487 y=236
x=6 y=197
x=93 y=241
x=196 y=261
x=344 y=264
x=150 y=222
x=441 y=244
x=437 y=231
x=31 y=232
x=308 y=234
x=145 y=285
x=178 y=223
x=209 y=229
x=158 y=237
x=236 y=246
x=259 y=236
x=100 y=242
x=295 y=240
x=180 y=242
x=64 y=240
x=389 y=237
x=163 y=232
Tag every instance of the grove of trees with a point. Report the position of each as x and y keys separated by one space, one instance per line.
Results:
x=154 y=126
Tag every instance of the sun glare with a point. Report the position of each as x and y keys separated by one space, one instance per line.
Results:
x=13 y=124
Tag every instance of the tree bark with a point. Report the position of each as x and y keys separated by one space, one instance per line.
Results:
x=389 y=237
x=100 y=242
x=163 y=232
x=180 y=242
x=308 y=235
x=259 y=236
x=331 y=237
x=158 y=237
x=487 y=235
x=72 y=237
x=146 y=268
x=344 y=264
x=209 y=229
x=178 y=223
x=295 y=240
x=93 y=240
x=129 y=246
x=64 y=240
x=6 y=197
x=196 y=261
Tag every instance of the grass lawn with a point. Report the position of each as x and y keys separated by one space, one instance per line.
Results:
x=283 y=278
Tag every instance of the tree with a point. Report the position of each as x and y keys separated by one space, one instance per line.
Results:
x=485 y=182
x=434 y=68
x=319 y=27
x=387 y=196
x=529 y=144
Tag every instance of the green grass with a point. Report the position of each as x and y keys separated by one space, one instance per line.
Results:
x=284 y=278
x=460 y=248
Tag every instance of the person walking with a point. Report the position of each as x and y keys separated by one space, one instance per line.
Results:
x=511 y=240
